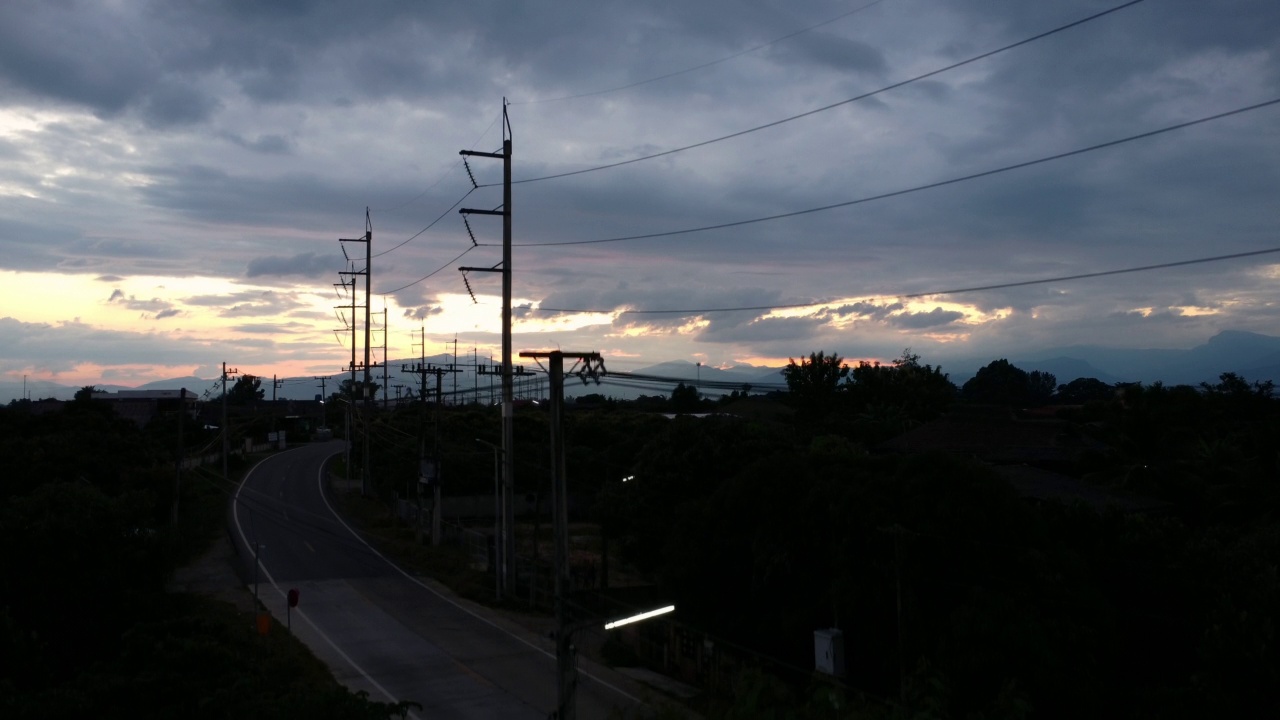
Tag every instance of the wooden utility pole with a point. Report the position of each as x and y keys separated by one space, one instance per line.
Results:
x=566 y=670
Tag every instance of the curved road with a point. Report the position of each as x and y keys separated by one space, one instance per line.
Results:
x=382 y=630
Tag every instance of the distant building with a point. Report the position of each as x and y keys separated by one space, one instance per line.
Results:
x=142 y=406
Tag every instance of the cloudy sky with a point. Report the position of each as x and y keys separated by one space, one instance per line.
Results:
x=174 y=178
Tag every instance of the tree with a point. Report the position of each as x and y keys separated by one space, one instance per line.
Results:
x=684 y=398
x=815 y=381
x=248 y=389
x=344 y=391
x=1083 y=390
x=906 y=388
x=1003 y=383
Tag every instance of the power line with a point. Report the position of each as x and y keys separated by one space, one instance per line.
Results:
x=432 y=186
x=443 y=175
x=428 y=227
x=433 y=272
x=815 y=111
x=685 y=71
x=953 y=291
x=918 y=188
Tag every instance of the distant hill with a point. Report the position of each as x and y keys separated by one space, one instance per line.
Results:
x=1251 y=355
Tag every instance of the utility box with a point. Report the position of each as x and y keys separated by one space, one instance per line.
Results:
x=828 y=652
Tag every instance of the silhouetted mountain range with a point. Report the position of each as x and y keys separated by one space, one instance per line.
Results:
x=1250 y=355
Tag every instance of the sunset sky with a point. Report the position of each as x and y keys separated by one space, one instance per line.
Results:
x=174 y=178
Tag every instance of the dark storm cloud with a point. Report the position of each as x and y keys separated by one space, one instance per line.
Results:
x=174 y=103
x=420 y=313
x=269 y=144
x=31 y=246
x=922 y=320
x=761 y=330
x=306 y=264
x=60 y=347
x=215 y=195
x=257 y=128
x=869 y=310
x=80 y=53
x=838 y=53
x=247 y=303
x=269 y=303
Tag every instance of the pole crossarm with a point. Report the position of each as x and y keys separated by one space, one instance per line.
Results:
x=592 y=363
x=508 y=388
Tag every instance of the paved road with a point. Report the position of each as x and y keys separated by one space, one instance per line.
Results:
x=382 y=630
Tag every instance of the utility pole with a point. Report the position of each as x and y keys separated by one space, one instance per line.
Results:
x=226 y=435
x=352 y=327
x=566 y=672
x=275 y=384
x=385 y=381
x=424 y=371
x=365 y=395
x=177 y=479
x=323 y=396
x=508 y=399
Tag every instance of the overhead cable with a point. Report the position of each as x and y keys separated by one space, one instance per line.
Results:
x=428 y=227
x=832 y=106
x=433 y=272
x=907 y=191
x=928 y=293
x=677 y=73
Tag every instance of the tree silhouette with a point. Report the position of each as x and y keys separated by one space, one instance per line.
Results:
x=1003 y=383
x=814 y=381
x=248 y=389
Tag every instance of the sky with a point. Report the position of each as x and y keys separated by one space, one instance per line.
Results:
x=175 y=178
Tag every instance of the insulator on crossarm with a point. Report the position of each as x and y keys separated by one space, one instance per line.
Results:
x=469 y=232
x=469 y=291
x=474 y=184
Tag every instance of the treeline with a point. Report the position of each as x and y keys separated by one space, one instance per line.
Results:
x=958 y=596
x=86 y=627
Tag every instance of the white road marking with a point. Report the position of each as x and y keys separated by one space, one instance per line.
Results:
x=235 y=514
x=433 y=591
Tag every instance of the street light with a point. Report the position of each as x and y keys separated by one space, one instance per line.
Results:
x=499 y=537
x=567 y=679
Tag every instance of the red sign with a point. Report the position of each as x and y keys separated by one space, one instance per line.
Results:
x=293 y=597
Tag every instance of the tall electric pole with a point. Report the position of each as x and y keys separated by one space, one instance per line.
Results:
x=226 y=435
x=566 y=671
x=365 y=393
x=386 y=383
x=508 y=395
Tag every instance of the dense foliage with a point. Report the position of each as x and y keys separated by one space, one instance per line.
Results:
x=86 y=627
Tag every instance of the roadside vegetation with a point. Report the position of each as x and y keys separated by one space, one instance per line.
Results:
x=1012 y=548
x=87 y=628
x=1062 y=550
